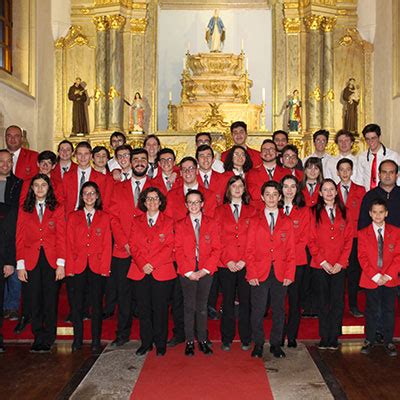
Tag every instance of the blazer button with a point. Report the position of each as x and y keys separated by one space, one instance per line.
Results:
x=332 y=228
x=236 y=236
x=87 y=244
x=332 y=238
x=40 y=229
x=236 y=227
x=271 y=250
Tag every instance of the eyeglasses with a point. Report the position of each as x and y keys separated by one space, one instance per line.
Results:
x=86 y=194
x=239 y=155
x=288 y=157
x=152 y=198
x=189 y=169
x=166 y=160
x=123 y=155
x=194 y=203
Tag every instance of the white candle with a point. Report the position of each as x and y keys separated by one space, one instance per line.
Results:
x=242 y=46
x=263 y=95
x=170 y=96
x=247 y=64
x=184 y=63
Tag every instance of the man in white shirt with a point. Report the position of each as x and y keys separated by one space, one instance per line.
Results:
x=320 y=140
x=203 y=138
x=116 y=139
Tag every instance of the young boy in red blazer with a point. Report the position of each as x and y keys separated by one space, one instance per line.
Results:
x=379 y=255
x=271 y=267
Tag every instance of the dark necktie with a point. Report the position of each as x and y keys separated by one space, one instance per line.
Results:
x=65 y=169
x=151 y=170
x=89 y=219
x=236 y=212
x=271 y=173
x=151 y=222
x=287 y=210
x=206 y=182
x=137 y=193
x=168 y=183
x=40 y=212
x=83 y=180
x=197 y=235
x=345 y=193
x=331 y=215
x=380 y=248
x=272 y=222
x=311 y=188
x=126 y=174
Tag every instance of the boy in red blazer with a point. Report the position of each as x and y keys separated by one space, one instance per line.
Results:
x=169 y=177
x=64 y=164
x=271 y=267
x=352 y=195
x=379 y=255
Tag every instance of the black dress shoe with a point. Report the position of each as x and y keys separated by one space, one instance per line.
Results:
x=22 y=323
x=45 y=348
x=86 y=316
x=119 y=342
x=205 y=348
x=142 y=350
x=174 y=341
x=189 y=349
x=245 y=346
x=391 y=350
x=226 y=346
x=257 y=351
x=36 y=347
x=367 y=347
x=355 y=312
x=2 y=348
x=379 y=338
x=292 y=343
x=96 y=349
x=212 y=313
x=76 y=346
x=277 y=352
x=68 y=318
x=161 y=352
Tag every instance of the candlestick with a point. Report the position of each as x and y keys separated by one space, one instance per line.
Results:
x=170 y=97
x=184 y=63
x=242 y=46
x=247 y=64
x=263 y=95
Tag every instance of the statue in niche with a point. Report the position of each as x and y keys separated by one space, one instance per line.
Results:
x=294 y=106
x=77 y=94
x=215 y=34
x=136 y=114
x=351 y=99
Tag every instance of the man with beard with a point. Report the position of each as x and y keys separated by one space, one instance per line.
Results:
x=124 y=207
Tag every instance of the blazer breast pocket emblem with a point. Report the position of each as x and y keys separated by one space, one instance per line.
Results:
x=161 y=237
x=207 y=238
x=98 y=231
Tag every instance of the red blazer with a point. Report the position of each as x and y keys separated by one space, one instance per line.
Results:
x=159 y=182
x=297 y=173
x=256 y=177
x=123 y=210
x=176 y=208
x=185 y=245
x=89 y=246
x=217 y=185
x=233 y=234
x=311 y=200
x=31 y=235
x=153 y=245
x=353 y=204
x=254 y=155
x=301 y=218
x=368 y=255
x=27 y=165
x=57 y=186
x=57 y=170
x=263 y=249
x=330 y=242
x=70 y=186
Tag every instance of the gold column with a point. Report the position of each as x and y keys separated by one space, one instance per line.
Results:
x=100 y=107
x=327 y=26
x=115 y=67
x=313 y=93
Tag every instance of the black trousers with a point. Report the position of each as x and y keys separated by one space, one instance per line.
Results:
x=380 y=307
x=294 y=313
x=353 y=275
x=152 y=299
x=120 y=268
x=214 y=290
x=229 y=282
x=26 y=301
x=110 y=294
x=43 y=290
x=331 y=300
x=195 y=298
x=259 y=296
x=177 y=310
x=90 y=282
x=70 y=295
x=2 y=281
x=309 y=288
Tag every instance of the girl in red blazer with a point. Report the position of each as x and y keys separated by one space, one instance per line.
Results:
x=237 y=162
x=233 y=218
x=330 y=245
x=198 y=250
x=379 y=255
x=88 y=260
x=294 y=207
x=152 y=269
x=40 y=247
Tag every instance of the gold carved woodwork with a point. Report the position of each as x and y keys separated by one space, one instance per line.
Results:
x=180 y=150
x=113 y=93
x=214 y=87
x=330 y=95
x=316 y=94
x=74 y=37
x=313 y=22
x=332 y=148
x=117 y=21
x=214 y=121
x=328 y=24
x=291 y=25
x=101 y=22
x=124 y=3
x=138 y=25
x=98 y=94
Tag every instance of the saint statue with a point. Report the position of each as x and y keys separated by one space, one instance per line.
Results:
x=215 y=34
x=294 y=106
x=136 y=114
x=351 y=98
x=77 y=94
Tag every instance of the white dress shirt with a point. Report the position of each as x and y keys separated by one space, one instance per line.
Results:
x=15 y=156
x=330 y=170
x=377 y=276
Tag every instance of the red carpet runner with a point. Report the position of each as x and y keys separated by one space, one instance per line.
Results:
x=223 y=375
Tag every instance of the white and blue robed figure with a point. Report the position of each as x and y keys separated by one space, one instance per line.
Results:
x=215 y=35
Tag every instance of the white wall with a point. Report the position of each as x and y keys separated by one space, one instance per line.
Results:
x=366 y=10
x=176 y=28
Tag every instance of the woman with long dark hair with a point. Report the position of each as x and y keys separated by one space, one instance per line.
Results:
x=40 y=246
x=330 y=245
x=88 y=261
x=152 y=269
x=294 y=207
x=312 y=178
x=238 y=161
x=233 y=218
